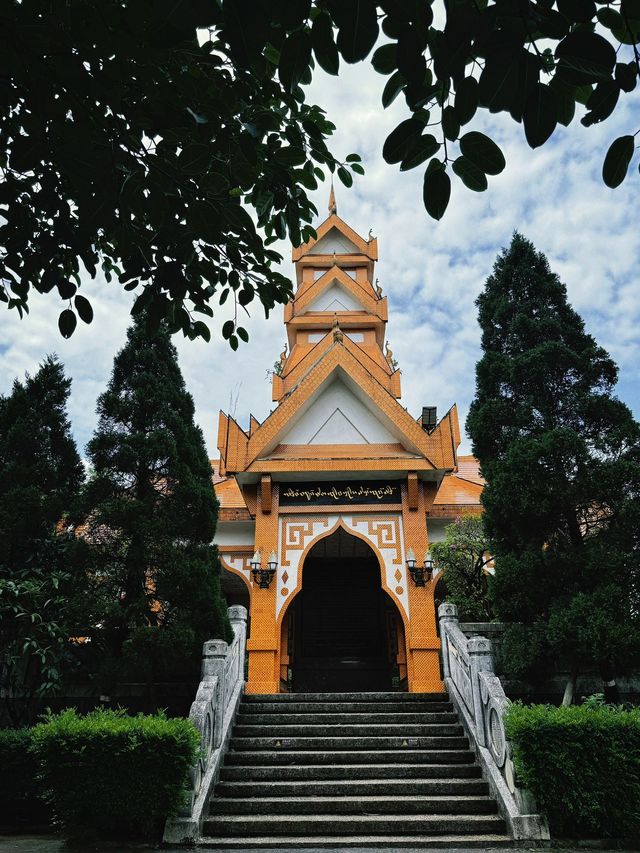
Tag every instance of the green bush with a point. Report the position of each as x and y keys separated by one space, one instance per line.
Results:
x=110 y=775
x=20 y=792
x=582 y=764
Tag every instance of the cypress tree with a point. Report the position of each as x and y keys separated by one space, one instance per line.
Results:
x=40 y=476
x=561 y=458
x=151 y=515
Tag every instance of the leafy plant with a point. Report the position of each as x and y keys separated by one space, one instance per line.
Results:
x=112 y=776
x=561 y=456
x=463 y=557
x=20 y=791
x=40 y=476
x=149 y=517
x=582 y=764
x=174 y=162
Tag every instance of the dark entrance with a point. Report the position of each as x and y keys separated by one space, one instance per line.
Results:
x=342 y=629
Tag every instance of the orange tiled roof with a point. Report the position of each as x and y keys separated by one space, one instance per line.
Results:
x=469 y=469
x=464 y=487
x=229 y=494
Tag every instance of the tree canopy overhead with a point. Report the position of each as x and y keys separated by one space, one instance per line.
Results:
x=126 y=143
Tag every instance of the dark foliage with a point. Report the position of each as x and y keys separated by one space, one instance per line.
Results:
x=582 y=764
x=150 y=515
x=145 y=158
x=108 y=775
x=561 y=456
x=20 y=791
x=40 y=476
x=126 y=143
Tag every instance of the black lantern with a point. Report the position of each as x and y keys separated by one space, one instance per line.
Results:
x=263 y=577
x=420 y=574
x=416 y=572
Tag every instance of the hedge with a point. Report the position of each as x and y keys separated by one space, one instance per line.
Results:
x=110 y=775
x=582 y=764
x=20 y=792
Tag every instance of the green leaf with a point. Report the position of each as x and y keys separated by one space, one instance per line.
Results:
x=394 y=85
x=577 y=10
x=602 y=102
x=357 y=168
x=470 y=175
x=353 y=158
x=466 y=99
x=626 y=76
x=483 y=152
x=385 y=60
x=450 y=123
x=324 y=46
x=424 y=148
x=202 y=330
x=66 y=289
x=84 y=309
x=616 y=163
x=227 y=329
x=233 y=342
x=295 y=57
x=540 y=115
x=243 y=334
x=436 y=190
x=400 y=141
x=194 y=159
x=584 y=57
x=290 y=156
x=358 y=28
x=67 y=322
x=345 y=176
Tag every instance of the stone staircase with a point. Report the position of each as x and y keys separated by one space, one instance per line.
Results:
x=337 y=770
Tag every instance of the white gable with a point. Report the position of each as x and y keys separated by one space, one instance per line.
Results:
x=335 y=298
x=337 y=416
x=336 y=242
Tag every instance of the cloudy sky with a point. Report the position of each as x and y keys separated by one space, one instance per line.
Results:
x=431 y=272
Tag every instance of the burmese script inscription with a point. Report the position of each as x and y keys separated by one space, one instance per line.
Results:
x=344 y=492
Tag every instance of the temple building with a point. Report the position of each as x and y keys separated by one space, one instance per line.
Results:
x=329 y=505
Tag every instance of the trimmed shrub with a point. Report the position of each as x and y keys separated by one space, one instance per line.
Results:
x=582 y=764
x=20 y=792
x=111 y=775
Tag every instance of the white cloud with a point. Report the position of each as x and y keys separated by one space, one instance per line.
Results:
x=431 y=271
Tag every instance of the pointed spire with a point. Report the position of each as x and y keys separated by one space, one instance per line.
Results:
x=333 y=207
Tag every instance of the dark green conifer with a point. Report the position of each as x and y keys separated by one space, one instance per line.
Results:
x=40 y=476
x=561 y=457
x=151 y=516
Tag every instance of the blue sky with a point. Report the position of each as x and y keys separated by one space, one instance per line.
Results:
x=430 y=271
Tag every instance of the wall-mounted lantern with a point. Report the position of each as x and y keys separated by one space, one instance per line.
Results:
x=263 y=577
x=422 y=573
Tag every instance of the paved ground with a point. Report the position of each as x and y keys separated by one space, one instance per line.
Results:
x=50 y=844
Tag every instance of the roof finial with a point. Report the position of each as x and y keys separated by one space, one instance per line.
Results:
x=333 y=207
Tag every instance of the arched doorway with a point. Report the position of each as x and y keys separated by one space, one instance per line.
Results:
x=343 y=631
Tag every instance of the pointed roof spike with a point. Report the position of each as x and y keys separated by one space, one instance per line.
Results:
x=333 y=207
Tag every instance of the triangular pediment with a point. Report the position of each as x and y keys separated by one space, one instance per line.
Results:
x=334 y=242
x=337 y=416
x=335 y=298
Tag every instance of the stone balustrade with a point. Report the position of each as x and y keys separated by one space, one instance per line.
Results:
x=476 y=692
x=213 y=712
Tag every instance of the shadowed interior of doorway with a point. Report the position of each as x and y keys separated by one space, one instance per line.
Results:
x=344 y=632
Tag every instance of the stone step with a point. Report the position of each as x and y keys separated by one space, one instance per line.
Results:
x=414 y=843
x=278 y=698
x=319 y=707
x=225 y=826
x=331 y=744
x=396 y=805
x=346 y=756
x=244 y=719
x=284 y=730
x=352 y=787
x=276 y=772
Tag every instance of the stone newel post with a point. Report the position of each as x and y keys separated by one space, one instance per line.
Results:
x=447 y=615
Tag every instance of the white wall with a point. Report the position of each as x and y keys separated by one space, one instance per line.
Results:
x=338 y=417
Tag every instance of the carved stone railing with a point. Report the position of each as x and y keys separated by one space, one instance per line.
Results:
x=213 y=712
x=477 y=693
